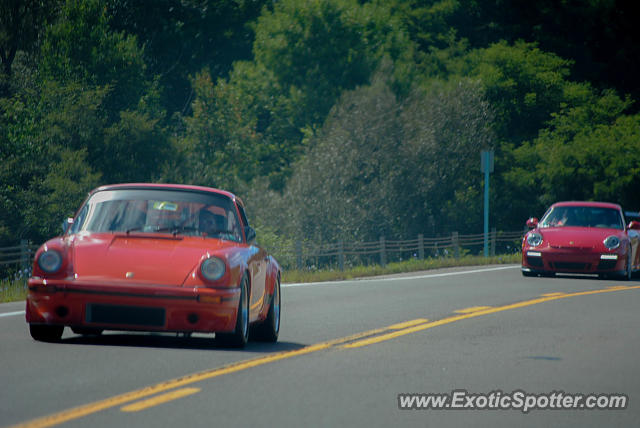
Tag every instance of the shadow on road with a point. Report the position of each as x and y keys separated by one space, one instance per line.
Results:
x=168 y=341
x=611 y=278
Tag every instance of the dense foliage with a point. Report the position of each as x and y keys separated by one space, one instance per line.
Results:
x=334 y=119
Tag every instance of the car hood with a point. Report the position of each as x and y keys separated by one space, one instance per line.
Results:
x=139 y=259
x=577 y=237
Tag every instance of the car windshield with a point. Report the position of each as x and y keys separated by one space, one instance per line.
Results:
x=159 y=211
x=582 y=216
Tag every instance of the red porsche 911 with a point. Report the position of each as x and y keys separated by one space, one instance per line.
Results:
x=160 y=258
x=581 y=238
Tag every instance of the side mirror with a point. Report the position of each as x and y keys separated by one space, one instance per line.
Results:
x=634 y=225
x=250 y=233
x=66 y=224
x=532 y=223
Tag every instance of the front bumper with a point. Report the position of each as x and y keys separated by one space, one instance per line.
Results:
x=106 y=306
x=572 y=261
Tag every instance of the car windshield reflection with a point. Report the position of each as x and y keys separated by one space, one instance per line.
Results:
x=582 y=216
x=159 y=211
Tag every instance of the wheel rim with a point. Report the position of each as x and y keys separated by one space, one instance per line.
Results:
x=276 y=308
x=245 y=312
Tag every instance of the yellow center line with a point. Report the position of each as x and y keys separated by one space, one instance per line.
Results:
x=159 y=399
x=553 y=294
x=471 y=309
x=81 y=411
x=405 y=324
x=352 y=341
x=421 y=327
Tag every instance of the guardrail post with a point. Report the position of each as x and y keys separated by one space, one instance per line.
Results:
x=493 y=241
x=383 y=252
x=455 y=244
x=24 y=260
x=299 y=254
x=341 y=255
x=421 y=246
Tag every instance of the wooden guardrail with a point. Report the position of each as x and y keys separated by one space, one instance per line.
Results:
x=305 y=254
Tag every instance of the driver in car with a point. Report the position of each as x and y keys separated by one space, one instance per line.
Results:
x=210 y=223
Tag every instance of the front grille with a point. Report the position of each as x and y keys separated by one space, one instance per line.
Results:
x=534 y=261
x=571 y=266
x=607 y=264
x=131 y=315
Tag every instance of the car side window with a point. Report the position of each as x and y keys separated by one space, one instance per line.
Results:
x=79 y=220
x=243 y=216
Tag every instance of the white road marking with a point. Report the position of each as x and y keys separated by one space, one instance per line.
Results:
x=401 y=278
x=10 y=314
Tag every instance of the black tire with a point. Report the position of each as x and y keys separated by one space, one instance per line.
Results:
x=87 y=331
x=268 y=330
x=46 y=333
x=529 y=274
x=240 y=335
x=626 y=276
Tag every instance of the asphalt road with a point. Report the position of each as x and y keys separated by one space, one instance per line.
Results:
x=347 y=350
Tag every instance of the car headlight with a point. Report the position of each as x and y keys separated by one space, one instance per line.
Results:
x=612 y=242
x=534 y=239
x=50 y=261
x=212 y=268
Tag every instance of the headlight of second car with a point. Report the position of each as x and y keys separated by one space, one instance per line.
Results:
x=50 y=261
x=534 y=239
x=612 y=242
x=213 y=268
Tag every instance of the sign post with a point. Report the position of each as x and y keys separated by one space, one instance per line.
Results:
x=486 y=165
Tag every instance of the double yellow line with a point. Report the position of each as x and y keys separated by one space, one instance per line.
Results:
x=366 y=338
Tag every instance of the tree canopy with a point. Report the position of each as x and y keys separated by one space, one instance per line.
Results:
x=334 y=119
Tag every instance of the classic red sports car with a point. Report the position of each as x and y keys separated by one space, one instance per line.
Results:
x=156 y=257
x=581 y=237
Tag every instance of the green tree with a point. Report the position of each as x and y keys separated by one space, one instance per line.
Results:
x=182 y=38
x=600 y=36
x=306 y=54
x=381 y=165
x=589 y=152
x=44 y=171
x=80 y=47
x=524 y=84
x=21 y=24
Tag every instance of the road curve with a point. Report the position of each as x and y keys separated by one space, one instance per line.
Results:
x=347 y=350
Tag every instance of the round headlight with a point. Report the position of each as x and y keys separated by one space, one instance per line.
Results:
x=50 y=261
x=212 y=268
x=612 y=242
x=534 y=239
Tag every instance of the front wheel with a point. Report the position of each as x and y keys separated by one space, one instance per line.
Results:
x=626 y=276
x=268 y=330
x=240 y=335
x=46 y=333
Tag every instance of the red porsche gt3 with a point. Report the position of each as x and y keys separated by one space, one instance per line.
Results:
x=584 y=238
x=156 y=257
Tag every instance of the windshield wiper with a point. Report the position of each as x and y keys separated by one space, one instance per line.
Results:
x=175 y=230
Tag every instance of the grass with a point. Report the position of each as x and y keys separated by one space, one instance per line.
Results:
x=391 y=268
x=12 y=290
x=15 y=290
